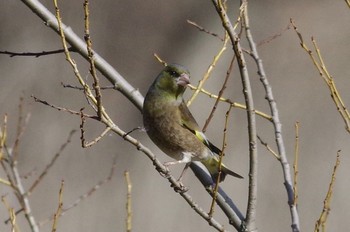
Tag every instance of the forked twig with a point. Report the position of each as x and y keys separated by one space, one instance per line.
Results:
x=321 y=222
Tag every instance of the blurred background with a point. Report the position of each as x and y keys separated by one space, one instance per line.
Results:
x=126 y=34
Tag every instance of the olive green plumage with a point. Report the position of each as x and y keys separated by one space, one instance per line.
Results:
x=171 y=126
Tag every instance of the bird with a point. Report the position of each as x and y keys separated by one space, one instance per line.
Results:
x=171 y=126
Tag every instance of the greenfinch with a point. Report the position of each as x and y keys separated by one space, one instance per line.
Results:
x=171 y=126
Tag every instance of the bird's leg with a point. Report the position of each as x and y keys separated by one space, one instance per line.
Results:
x=183 y=172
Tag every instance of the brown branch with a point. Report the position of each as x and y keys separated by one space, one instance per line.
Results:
x=221 y=92
x=59 y=208
x=295 y=165
x=321 y=222
x=36 y=54
x=52 y=162
x=128 y=202
x=200 y=28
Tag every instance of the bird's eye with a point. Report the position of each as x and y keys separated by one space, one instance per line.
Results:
x=174 y=73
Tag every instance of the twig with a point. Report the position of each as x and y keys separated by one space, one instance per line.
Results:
x=3 y=136
x=204 y=30
x=84 y=196
x=12 y=215
x=96 y=84
x=128 y=202
x=221 y=156
x=62 y=108
x=269 y=148
x=270 y=38
x=36 y=54
x=321 y=222
x=348 y=3
x=81 y=88
x=159 y=59
x=21 y=126
x=59 y=208
x=49 y=165
x=328 y=79
x=221 y=92
x=295 y=165
x=234 y=104
x=209 y=71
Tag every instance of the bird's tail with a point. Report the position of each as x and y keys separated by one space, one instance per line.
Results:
x=212 y=164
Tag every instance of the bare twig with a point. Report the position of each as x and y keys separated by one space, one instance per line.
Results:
x=209 y=71
x=128 y=202
x=221 y=92
x=200 y=28
x=229 y=101
x=12 y=215
x=159 y=59
x=295 y=165
x=36 y=54
x=82 y=197
x=328 y=79
x=272 y=37
x=321 y=222
x=59 y=208
x=96 y=84
x=221 y=156
x=52 y=162
x=81 y=88
x=269 y=148
x=62 y=108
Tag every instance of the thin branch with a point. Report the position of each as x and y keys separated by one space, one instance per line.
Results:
x=96 y=84
x=221 y=92
x=128 y=202
x=82 y=197
x=59 y=208
x=321 y=222
x=200 y=28
x=209 y=71
x=52 y=162
x=250 y=221
x=278 y=157
x=36 y=54
x=295 y=165
x=12 y=215
x=234 y=104
x=221 y=156
x=62 y=108
x=328 y=79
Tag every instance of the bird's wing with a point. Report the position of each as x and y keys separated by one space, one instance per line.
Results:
x=190 y=124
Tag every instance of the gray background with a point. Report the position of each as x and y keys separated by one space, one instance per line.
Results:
x=126 y=34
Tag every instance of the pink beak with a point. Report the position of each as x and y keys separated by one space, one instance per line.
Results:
x=183 y=80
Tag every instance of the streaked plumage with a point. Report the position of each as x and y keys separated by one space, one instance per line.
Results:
x=171 y=126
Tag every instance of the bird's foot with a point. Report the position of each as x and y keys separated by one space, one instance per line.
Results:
x=164 y=172
x=180 y=188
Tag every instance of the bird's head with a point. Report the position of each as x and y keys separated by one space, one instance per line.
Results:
x=173 y=79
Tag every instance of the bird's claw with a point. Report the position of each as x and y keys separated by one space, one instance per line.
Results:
x=164 y=172
x=180 y=188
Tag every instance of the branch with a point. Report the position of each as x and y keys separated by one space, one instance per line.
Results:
x=253 y=165
x=277 y=126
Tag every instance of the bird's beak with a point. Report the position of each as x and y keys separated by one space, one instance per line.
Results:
x=183 y=80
